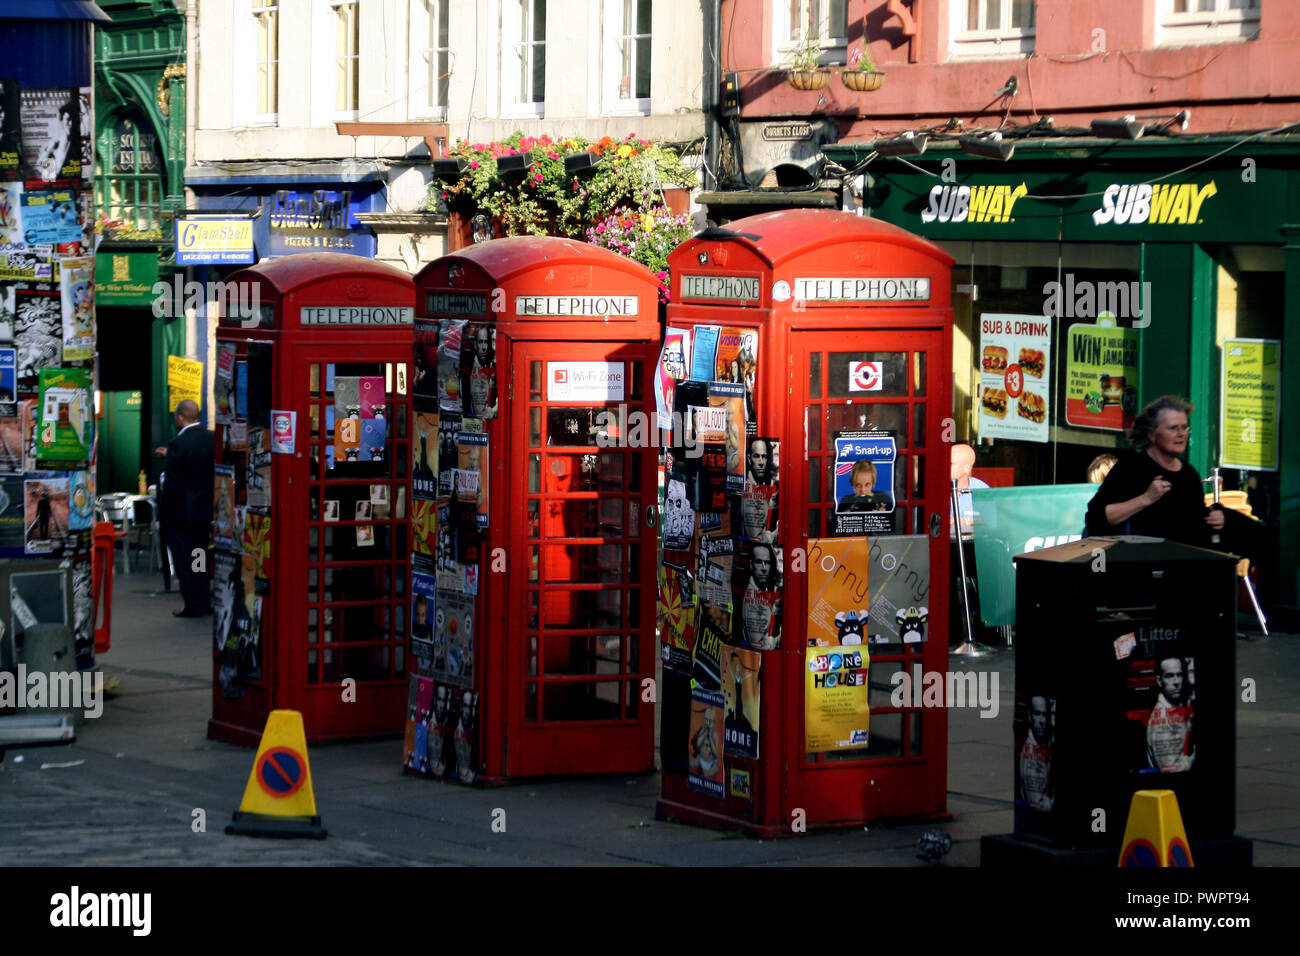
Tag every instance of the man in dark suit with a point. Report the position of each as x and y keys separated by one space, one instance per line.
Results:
x=185 y=508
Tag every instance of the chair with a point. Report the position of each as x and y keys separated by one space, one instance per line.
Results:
x=116 y=508
x=144 y=527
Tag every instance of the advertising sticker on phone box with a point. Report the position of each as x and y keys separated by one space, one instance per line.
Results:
x=1015 y=376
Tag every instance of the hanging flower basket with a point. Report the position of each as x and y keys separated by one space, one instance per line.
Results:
x=863 y=81
x=808 y=79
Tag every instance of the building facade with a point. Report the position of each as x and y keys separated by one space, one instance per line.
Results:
x=1065 y=145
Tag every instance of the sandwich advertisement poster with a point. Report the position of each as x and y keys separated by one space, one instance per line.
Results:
x=1101 y=375
x=1015 y=376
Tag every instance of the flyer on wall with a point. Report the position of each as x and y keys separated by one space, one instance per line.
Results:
x=836 y=699
x=864 y=482
x=1015 y=376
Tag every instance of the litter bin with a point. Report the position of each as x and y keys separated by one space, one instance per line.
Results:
x=1125 y=681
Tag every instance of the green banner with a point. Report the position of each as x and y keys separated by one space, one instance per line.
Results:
x=125 y=278
x=1251 y=386
x=1011 y=521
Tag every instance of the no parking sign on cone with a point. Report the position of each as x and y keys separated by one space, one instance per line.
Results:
x=1154 y=834
x=278 y=799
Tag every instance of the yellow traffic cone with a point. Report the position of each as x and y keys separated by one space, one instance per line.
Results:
x=278 y=800
x=1154 y=834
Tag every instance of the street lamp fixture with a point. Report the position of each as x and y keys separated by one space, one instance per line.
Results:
x=1126 y=127
x=908 y=144
x=449 y=169
x=990 y=145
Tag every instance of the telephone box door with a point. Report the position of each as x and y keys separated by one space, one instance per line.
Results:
x=350 y=489
x=583 y=555
x=886 y=384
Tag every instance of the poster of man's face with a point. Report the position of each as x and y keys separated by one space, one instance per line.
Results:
x=1034 y=734
x=1159 y=682
x=762 y=461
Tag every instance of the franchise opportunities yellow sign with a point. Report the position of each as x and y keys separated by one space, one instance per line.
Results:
x=1251 y=387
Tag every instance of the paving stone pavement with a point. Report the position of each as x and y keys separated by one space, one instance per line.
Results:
x=145 y=773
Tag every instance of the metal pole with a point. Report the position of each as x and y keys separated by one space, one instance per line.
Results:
x=969 y=648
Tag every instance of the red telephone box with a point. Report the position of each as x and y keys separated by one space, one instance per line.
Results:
x=837 y=330
x=311 y=522
x=547 y=347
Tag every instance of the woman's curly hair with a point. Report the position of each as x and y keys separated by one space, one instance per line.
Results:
x=1139 y=435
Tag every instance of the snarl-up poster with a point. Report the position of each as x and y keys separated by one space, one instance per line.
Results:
x=736 y=361
x=704 y=763
x=740 y=685
x=838 y=598
x=837 y=712
x=864 y=482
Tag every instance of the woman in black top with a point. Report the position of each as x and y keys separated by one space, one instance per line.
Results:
x=1154 y=492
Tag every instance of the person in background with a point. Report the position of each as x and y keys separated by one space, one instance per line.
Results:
x=1100 y=467
x=963 y=461
x=185 y=507
x=1154 y=492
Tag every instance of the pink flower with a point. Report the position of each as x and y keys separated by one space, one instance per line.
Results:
x=537 y=177
x=600 y=228
x=474 y=164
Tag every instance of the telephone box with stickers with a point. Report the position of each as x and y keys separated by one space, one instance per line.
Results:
x=312 y=495
x=534 y=483
x=804 y=381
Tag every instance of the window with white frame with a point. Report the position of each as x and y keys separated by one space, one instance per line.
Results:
x=523 y=56
x=627 y=56
x=430 y=73
x=266 y=17
x=347 y=56
x=993 y=28
x=1180 y=22
x=796 y=21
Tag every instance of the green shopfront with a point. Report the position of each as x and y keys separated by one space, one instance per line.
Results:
x=1186 y=246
